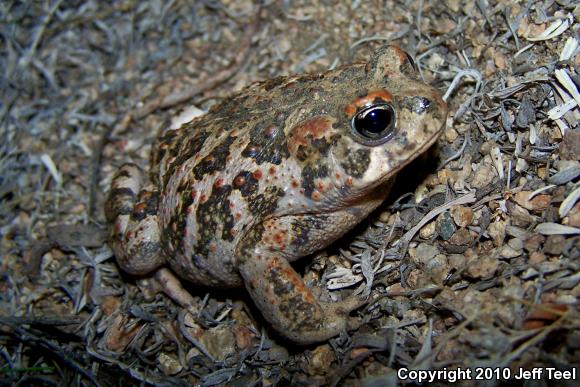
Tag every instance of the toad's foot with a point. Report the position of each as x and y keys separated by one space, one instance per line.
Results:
x=291 y=308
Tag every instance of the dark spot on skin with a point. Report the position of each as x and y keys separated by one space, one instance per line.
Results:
x=216 y=161
x=303 y=226
x=179 y=151
x=302 y=153
x=146 y=206
x=266 y=203
x=179 y=218
x=270 y=131
x=166 y=144
x=300 y=231
x=300 y=313
x=292 y=304
x=267 y=143
x=281 y=287
x=356 y=163
x=251 y=150
x=117 y=210
x=122 y=173
x=418 y=105
x=321 y=145
x=246 y=183
x=122 y=192
x=199 y=262
x=212 y=214
x=309 y=174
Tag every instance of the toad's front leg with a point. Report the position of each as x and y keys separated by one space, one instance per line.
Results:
x=283 y=298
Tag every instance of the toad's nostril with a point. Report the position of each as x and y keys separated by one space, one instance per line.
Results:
x=418 y=105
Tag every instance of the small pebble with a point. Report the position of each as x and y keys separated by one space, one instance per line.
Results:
x=445 y=226
x=554 y=244
x=463 y=216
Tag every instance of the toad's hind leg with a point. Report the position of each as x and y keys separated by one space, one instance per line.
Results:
x=276 y=288
x=131 y=211
x=279 y=291
x=288 y=305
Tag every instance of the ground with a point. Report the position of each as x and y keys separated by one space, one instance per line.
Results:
x=473 y=261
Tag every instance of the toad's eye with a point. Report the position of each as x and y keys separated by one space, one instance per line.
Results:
x=375 y=124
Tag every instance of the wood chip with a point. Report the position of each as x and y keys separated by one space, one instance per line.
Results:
x=549 y=228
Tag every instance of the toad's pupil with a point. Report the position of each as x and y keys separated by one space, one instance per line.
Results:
x=374 y=121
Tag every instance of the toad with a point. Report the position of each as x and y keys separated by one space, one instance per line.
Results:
x=274 y=173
